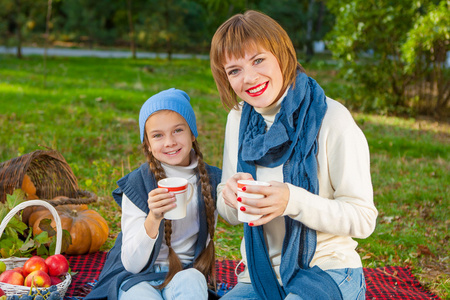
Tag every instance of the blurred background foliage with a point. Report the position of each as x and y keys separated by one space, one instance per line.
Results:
x=395 y=53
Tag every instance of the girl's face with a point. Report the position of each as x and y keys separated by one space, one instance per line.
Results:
x=170 y=138
x=256 y=78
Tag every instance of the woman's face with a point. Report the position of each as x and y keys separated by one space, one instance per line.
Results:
x=256 y=78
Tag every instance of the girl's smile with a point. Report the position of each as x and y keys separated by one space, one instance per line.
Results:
x=256 y=78
x=170 y=138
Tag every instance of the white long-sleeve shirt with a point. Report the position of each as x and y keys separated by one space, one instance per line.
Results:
x=137 y=246
x=344 y=206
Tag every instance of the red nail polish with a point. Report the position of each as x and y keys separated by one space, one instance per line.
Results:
x=250 y=224
x=239 y=199
x=244 y=188
x=242 y=208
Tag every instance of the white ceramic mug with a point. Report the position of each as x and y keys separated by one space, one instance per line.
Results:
x=243 y=216
x=178 y=186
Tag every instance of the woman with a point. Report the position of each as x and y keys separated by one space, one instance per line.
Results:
x=316 y=159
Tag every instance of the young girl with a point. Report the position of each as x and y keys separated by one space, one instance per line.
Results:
x=315 y=158
x=155 y=258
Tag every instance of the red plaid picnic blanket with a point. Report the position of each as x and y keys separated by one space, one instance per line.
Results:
x=382 y=283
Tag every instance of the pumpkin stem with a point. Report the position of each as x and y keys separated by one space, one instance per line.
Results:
x=74 y=213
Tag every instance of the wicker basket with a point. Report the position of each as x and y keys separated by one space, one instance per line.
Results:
x=49 y=172
x=13 y=262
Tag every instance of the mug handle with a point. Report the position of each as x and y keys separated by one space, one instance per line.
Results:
x=191 y=193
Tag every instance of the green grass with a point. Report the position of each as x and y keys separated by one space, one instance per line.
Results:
x=88 y=111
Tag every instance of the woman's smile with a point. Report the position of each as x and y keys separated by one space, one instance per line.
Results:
x=258 y=90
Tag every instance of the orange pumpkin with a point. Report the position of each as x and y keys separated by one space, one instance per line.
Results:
x=28 y=211
x=30 y=192
x=29 y=188
x=88 y=229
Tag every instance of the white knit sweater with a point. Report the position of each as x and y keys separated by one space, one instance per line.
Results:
x=344 y=207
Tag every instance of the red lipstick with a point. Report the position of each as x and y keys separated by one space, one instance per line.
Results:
x=258 y=93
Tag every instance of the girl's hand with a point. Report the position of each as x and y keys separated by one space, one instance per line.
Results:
x=229 y=192
x=159 y=202
x=271 y=206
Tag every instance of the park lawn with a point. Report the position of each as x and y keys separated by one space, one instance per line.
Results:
x=87 y=109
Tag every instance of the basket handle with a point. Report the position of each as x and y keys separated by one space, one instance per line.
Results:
x=25 y=204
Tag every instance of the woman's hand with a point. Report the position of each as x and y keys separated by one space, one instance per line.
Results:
x=229 y=192
x=271 y=206
x=159 y=202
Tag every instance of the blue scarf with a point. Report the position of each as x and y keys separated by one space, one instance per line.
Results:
x=292 y=142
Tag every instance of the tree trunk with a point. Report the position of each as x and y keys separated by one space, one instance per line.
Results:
x=18 y=30
x=441 y=81
x=230 y=11
x=309 y=31
x=320 y=16
x=131 y=27
x=47 y=31
x=19 y=43
x=169 y=34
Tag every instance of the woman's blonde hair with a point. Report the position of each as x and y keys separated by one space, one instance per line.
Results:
x=246 y=31
x=205 y=263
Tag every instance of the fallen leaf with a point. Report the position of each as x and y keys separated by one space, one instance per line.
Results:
x=424 y=250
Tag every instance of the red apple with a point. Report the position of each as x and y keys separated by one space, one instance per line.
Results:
x=38 y=278
x=2 y=292
x=57 y=265
x=19 y=269
x=55 y=280
x=11 y=277
x=34 y=263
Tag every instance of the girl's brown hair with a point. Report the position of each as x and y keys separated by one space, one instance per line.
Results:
x=246 y=31
x=205 y=263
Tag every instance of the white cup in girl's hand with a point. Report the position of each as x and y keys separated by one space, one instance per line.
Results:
x=178 y=186
x=243 y=216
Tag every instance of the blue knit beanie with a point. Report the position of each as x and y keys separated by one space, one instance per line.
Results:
x=171 y=99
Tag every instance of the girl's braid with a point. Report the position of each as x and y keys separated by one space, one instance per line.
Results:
x=174 y=261
x=205 y=263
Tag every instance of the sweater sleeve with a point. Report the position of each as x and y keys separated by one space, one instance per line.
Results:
x=137 y=246
x=229 y=165
x=344 y=205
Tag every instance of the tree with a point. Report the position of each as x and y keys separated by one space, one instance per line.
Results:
x=305 y=21
x=161 y=26
x=175 y=25
x=91 y=21
x=18 y=19
x=367 y=39
x=47 y=30
x=425 y=55
x=131 y=26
